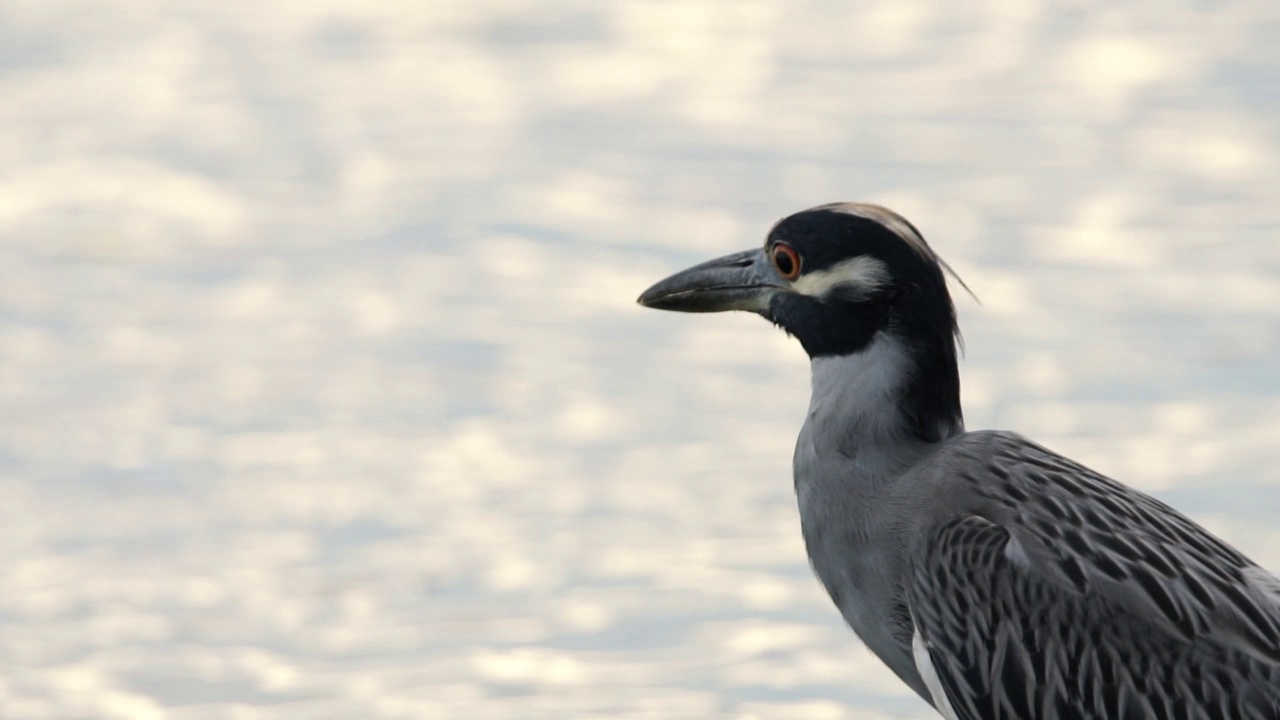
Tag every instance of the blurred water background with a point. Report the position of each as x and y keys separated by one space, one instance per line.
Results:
x=323 y=393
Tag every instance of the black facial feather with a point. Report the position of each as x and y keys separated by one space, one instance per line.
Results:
x=914 y=306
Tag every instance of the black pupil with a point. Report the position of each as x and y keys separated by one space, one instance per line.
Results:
x=782 y=259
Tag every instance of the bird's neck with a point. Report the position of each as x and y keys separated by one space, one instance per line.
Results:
x=885 y=402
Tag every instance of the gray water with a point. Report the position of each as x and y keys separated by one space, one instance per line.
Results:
x=324 y=391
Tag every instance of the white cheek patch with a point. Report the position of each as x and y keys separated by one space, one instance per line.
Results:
x=861 y=274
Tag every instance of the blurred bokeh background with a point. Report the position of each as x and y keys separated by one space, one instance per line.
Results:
x=322 y=389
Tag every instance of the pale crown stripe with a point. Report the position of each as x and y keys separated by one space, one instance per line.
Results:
x=886 y=217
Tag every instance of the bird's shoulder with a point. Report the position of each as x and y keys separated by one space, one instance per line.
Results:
x=1087 y=534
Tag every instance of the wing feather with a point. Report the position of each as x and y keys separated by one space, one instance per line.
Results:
x=1069 y=595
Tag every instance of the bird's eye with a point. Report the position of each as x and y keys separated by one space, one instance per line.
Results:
x=786 y=260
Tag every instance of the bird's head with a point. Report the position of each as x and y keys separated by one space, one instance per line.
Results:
x=839 y=278
x=833 y=276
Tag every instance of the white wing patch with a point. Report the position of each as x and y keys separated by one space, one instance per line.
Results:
x=924 y=664
x=1016 y=554
x=863 y=273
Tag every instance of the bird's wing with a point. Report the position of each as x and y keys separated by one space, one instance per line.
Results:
x=1070 y=595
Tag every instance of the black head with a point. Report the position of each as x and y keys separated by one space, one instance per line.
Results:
x=862 y=270
x=832 y=276
x=837 y=277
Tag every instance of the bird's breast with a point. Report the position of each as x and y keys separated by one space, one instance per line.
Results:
x=854 y=533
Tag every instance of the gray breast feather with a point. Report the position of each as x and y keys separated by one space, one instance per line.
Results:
x=1059 y=593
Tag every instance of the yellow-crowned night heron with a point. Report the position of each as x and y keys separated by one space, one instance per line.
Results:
x=995 y=577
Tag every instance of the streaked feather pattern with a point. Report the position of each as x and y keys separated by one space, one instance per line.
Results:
x=1117 y=606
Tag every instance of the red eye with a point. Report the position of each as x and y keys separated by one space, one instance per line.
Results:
x=786 y=260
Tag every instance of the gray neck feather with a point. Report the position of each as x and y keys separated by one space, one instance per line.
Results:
x=856 y=408
x=856 y=442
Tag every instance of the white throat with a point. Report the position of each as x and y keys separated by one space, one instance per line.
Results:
x=855 y=411
x=856 y=398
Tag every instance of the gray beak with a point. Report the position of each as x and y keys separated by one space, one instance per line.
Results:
x=741 y=281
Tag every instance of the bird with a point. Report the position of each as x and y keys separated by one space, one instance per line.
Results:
x=993 y=576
